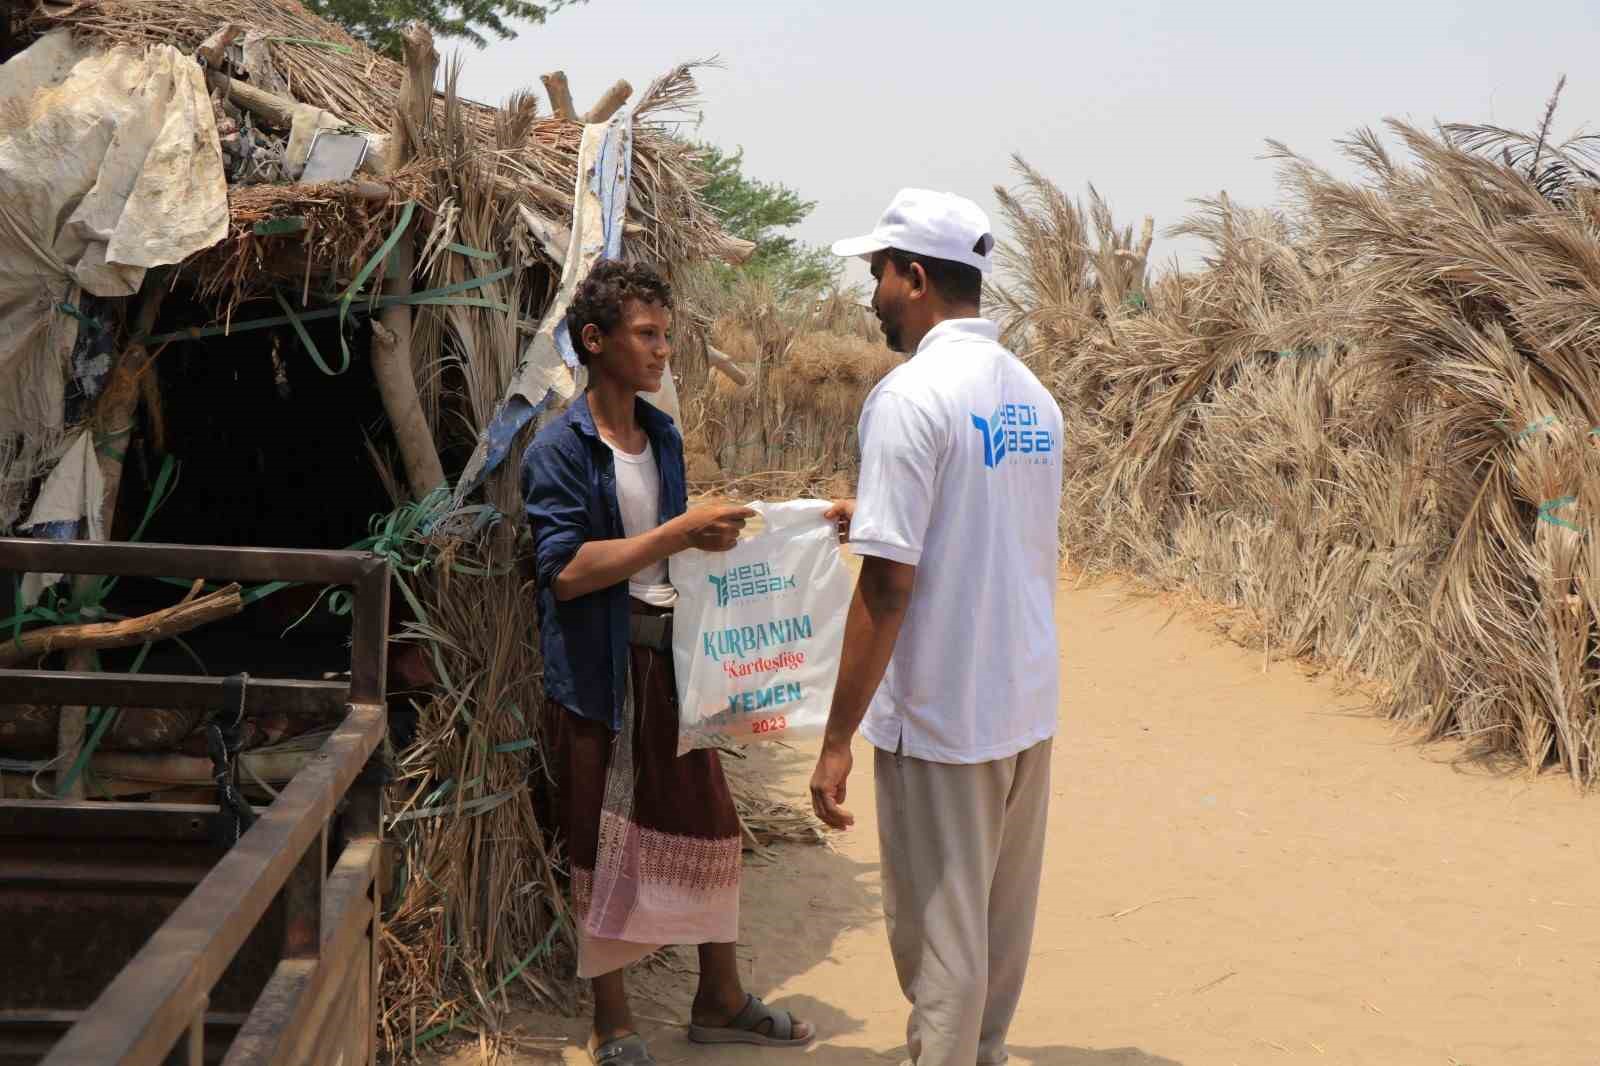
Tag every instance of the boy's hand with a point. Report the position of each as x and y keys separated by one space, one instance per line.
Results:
x=714 y=527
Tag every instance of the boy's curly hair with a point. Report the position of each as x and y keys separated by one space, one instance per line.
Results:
x=600 y=297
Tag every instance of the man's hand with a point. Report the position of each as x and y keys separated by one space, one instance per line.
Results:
x=713 y=527
x=828 y=785
x=841 y=514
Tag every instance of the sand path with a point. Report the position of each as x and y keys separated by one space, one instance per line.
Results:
x=1244 y=867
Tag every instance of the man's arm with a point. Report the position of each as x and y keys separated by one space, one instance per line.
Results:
x=877 y=611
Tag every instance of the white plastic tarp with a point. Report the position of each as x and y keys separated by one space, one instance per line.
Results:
x=73 y=491
x=109 y=165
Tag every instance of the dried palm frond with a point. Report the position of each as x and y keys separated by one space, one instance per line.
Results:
x=811 y=364
x=1365 y=421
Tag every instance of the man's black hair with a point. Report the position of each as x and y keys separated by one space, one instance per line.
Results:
x=600 y=297
x=956 y=282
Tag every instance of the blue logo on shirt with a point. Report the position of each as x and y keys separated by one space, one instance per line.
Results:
x=1013 y=430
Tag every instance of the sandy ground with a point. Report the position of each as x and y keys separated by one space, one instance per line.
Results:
x=1244 y=867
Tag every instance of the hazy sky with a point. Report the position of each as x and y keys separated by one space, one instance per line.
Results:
x=1156 y=102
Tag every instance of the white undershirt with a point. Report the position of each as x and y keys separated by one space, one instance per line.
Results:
x=639 y=499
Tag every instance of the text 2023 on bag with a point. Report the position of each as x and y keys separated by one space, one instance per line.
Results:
x=757 y=630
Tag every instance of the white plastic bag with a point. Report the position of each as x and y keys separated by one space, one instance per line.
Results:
x=757 y=630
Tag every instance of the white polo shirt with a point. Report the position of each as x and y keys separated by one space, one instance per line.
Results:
x=961 y=476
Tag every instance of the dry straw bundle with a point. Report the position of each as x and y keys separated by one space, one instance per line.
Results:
x=791 y=430
x=1369 y=420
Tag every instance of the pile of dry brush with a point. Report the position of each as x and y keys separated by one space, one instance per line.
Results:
x=790 y=428
x=1369 y=420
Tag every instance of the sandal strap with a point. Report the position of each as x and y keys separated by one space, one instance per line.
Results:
x=628 y=1050
x=755 y=1012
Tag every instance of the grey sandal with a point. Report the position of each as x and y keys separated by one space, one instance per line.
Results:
x=756 y=1024
x=627 y=1050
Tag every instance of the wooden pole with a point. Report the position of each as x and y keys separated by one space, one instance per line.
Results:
x=730 y=369
x=609 y=104
x=391 y=330
x=555 y=85
x=213 y=48
x=113 y=424
x=270 y=108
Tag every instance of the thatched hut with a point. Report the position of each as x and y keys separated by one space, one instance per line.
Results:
x=260 y=285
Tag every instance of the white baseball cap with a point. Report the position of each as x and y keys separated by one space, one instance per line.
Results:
x=938 y=224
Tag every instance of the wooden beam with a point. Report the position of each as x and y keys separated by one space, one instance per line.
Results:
x=298 y=993
x=274 y=110
x=213 y=48
x=551 y=237
x=113 y=422
x=188 y=561
x=99 y=820
x=94 y=689
x=280 y=112
x=609 y=103
x=415 y=100
x=391 y=331
x=555 y=85
x=730 y=369
x=735 y=250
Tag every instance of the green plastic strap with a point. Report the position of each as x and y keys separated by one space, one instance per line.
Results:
x=366 y=272
x=450 y=290
x=461 y=301
x=1547 y=420
x=89 y=322
x=273 y=227
x=473 y=807
x=22 y=613
x=427 y=296
x=309 y=344
x=194 y=333
x=260 y=592
x=103 y=438
x=1549 y=506
x=164 y=487
x=101 y=588
x=475 y=253
x=446 y=1026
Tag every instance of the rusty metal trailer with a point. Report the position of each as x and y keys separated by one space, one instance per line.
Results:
x=131 y=936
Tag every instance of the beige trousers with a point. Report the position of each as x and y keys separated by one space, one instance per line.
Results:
x=962 y=847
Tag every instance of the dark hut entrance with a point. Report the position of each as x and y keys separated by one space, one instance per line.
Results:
x=269 y=451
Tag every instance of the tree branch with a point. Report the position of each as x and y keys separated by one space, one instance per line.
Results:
x=158 y=625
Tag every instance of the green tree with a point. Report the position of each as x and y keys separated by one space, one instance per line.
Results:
x=759 y=211
x=379 y=22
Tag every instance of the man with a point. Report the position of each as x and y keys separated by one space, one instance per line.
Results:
x=950 y=664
